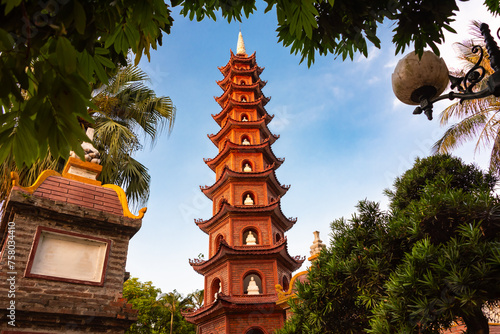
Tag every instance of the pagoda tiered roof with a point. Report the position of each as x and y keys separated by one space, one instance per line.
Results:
x=232 y=87
x=265 y=303
x=229 y=146
x=241 y=59
x=224 y=252
x=231 y=122
x=229 y=175
x=257 y=104
x=254 y=71
x=272 y=210
x=224 y=83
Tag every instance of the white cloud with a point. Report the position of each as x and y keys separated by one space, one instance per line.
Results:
x=373 y=53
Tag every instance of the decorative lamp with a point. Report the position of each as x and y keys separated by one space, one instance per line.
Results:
x=414 y=78
x=421 y=81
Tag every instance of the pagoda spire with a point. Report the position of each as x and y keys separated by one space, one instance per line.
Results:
x=240 y=48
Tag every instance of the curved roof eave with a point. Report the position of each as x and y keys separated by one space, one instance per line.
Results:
x=215 y=138
x=273 y=208
x=265 y=146
x=224 y=251
x=227 y=174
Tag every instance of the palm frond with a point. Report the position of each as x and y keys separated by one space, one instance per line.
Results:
x=495 y=155
x=457 y=134
x=477 y=118
x=134 y=177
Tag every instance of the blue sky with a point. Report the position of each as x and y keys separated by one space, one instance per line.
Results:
x=343 y=135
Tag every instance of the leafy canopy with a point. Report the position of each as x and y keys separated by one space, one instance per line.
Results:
x=431 y=260
x=157 y=312
x=342 y=27
x=50 y=52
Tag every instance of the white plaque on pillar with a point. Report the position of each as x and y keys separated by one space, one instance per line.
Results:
x=68 y=256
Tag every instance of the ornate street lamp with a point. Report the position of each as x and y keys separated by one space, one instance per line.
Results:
x=421 y=81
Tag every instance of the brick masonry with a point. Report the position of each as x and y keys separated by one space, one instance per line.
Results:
x=66 y=306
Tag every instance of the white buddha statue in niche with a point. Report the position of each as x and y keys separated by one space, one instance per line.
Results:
x=245 y=142
x=250 y=240
x=252 y=289
x=245 y=119
x=247 y=168
x=248 y=200
x=219 y=291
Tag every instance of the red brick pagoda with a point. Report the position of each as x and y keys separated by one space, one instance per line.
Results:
x=248 y=253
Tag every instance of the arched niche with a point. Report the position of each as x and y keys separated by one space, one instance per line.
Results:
x=248 y=233
x=255 y=277
x=218 y=240
x=244 y=117
x=247 y=166
x=277 y=237
x=215 y=288
x=243 y=98
x=285 y=283
x=255 y=330
x=248 y=198
x=242 y=82
x=245 y=140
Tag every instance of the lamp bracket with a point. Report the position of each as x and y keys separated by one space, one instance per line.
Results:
x=463 y=86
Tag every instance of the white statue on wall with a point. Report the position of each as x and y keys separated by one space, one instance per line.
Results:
x=248 y=200
x=250 y=239
x=253 y=289
x=216 y=294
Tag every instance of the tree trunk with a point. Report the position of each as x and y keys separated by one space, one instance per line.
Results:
x=172 y=322
x=477 y=323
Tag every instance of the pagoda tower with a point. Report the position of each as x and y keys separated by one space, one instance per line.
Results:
x=248 y=253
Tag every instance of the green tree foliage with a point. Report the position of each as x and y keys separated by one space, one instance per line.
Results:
x=158 y=313
x=196 y=299
x=126 y=114
x=126 y=111
x=50 y=52
x=476 y=119
x=438 y=284
x=343 y=27
x=434 y=258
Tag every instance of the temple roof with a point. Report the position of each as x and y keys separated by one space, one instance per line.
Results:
x=232 y=123
x=80 y=191
x=232 y=87
x=285 y=296
x=224 y=83
x=237 y=304
x=231 y=103
x=239 y=59
x=273 y=210
x=224 y=252
x=229 y=175
x=229 y=146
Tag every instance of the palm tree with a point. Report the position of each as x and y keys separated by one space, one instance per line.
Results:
x=126 y=110
x=126 y=107
x=174 y=302
x=196 y=299
x=477 y=118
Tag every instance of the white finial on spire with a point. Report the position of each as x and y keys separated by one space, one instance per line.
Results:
x=240 y=48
